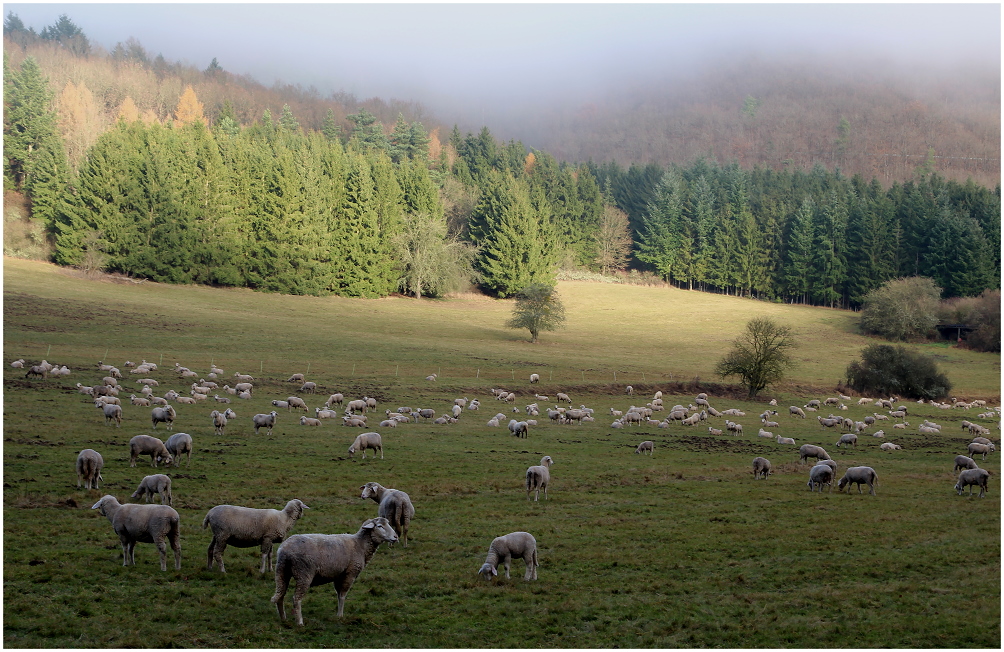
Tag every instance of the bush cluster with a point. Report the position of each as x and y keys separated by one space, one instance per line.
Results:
x=886 y=370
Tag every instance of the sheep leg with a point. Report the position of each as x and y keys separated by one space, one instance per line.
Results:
x=381 y=452
x=282 y=576
x=301 y=591
x=209 y=554
x=221 y=546
x=506 y=561
x=266 y=555
x=162 y=549
x=175 y=537
x=342 y=588
x=125 y=550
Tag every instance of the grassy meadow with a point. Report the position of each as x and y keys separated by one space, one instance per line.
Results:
x=681 y=549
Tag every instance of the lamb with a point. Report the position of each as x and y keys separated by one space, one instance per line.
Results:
x=963 y=462
x=394 y=505
x=112 y=412
x=295 y=378
x=314 y=559
x=859 y=475
x=264 y=421
x=367 y=440
x=534 y=378
x=143 y=524
x=518 y=428
x=849 y=438
x=796 y=411
x=155 y=484
x=147 y=445
x=163 y=414
x=984 y=449
x=973 y=478
x=89 y=465
x=889 y=446
x=537 y=478
x=819 y=475
x=643 y=447
x=309 y=421
x=246 y=527
x=785 y=440
x=811 y=450
x=520 y=545
x=178 y=444
x=761 y=467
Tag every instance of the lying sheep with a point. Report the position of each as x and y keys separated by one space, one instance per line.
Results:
x=810 y=450
x=155 y=484
x=89 y=465
x=178 y=444
x=394 y=505
x=785 y=440
x=147 y=445
x=761 y=467
x=264 y=421
x=878 y=433
x=962 y=462
x=714 y=431
x=819 y=475
x=246 y=527
x=983 y=449
x=973 y=478
x=889 y=446
x=163 y=415
x=309 y=421
x=537 y=478
x=520 y=545
x=765 y=434
x=859 y=475
x=849 y=439
x=315 y=559
x=365 y=441
x=18 y=364
x=645 y=446
x=143 y=524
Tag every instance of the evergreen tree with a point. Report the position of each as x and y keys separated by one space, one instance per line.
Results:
x=958 y=256
x=68 y=35
x=367 y=130
x=704 y=217
x=800 y=254
x=659 y=242
x=287 y=121
x=331 y=129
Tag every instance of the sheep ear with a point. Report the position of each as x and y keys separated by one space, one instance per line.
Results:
x=369 y=525
x=495 y=571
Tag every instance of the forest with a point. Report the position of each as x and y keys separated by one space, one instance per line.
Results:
x=160 y=171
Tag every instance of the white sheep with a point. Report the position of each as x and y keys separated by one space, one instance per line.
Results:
x=18 y=364
x=334 y=399
x=365 y=441
x=796 y=411
x=220 y=420
x=264 y=421
x=560 y=396
x=147 y=445
x=111 y=411
x=645 y=446
x=811 y=450
x=849 y=438
x=878 y=433
x=296 y=402
x=247 y=527
x=143 y=524
x=859 y=475
x=520 y=545
x=178 y=444
x=819 y=475
x=963 y=462
x=714 y=431
x=973 y=478
x=761 y=467
x=314 y=559
x=187 y=400
x=534 y=378
x=538 y=477
x=163 y=415
x=889 y=446
x=518 y=428
x=394 y=505
x=308 y=387
x=785 y=440
x=309 y=421
x=155 y=484
x=244 y=378
x=983 y=449
x=89 y=465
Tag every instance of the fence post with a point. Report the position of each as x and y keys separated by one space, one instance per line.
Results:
x=479 y=373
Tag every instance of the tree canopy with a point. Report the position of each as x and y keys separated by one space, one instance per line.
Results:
x=759 y=356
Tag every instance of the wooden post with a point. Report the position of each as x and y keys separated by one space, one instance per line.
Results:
x=615 y=376
x=397 y=369
x=261 y=367
x=353 y=368
x=479 y=373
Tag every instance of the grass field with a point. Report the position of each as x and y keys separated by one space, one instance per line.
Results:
x=683 y=549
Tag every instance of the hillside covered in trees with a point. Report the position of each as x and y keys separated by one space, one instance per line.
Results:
x=161 y=171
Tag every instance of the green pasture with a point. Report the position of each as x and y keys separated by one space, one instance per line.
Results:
x=683 y=549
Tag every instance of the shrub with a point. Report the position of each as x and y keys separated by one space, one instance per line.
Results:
x=886 y=370
x=537 y=308
x=983 y=313
x=901 y=309
x=759 y=356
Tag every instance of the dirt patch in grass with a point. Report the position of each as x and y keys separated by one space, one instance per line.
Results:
x=714 y=444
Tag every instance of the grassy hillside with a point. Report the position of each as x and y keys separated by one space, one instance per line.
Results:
x=683 y=549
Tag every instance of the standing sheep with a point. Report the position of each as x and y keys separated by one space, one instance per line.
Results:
x=147 y=445
x=859 y=475
x=961 y=463
x=973 y=478
x=155 y=484
x=112 y=412
x=163 y=415
x=518 y=428
x=143 y=524
x=984 y=449
x=520 y=545
x=245 y=527
x=89 y=465
x=264 y=421
x=178 y=444
x=761 y=467
x=534 y=378
x=367 y=440
x=849 y=438
x=645 y=446
x=538 y=477
x=394 y=505
x=314 y=559
x=810 y=450
x=819 y=475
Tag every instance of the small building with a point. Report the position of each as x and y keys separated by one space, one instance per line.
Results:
x=954 y=332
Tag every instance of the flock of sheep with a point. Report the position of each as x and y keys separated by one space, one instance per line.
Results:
x=314 y=559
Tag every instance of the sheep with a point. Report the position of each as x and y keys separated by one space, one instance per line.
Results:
x=773 y=401
x=880 y=417
x=518 y=428
x=36 y=370
x=159 y=401
x=795 y=411
x=296 y=402
x=246 y=527
x=149 y=382
x=831 y=401
x=714 y=431
x=859 y=475
x=309 y=421
x=520 y=545
x=89 y=465
x=695 y=418
x=394 y=505
x=426 y=413
x=973 y=478
x=187 y=400
x=925 y=430
x=220 y=420
x=538 y=477
x=813 y=403
x=295 y=378
x=18 y=364
x=761 y=467
x=357 y=405
x=314 y=559
x=560 y=396
x=84 y=389
x=819 y=475
x=244 y=387
x=244 y=378
x=889 y=446
x=325 y=414
x=493 y=423
x=456 y=410
x=984 y=449
x=178 y=444
x=982 y=440
x=534 y=378
x=279 y=404
x=147 y=445
x=221 y=399
x=771 y=424
x=163 y=415
x=878 y=433
x=112 y=412
x=429 y=377
x=367 y=440
x=901 y=426
x=629 y=390
x=371 y=403
x=461 y=402
x=388 y=423
x=811 y=450
x=864 y=401
x=143 y=524
x=785 y=440
x=155 y=484
x=849 y=438
x=963 y=462
x=645 y=446
x=354 y=422
x=264 y=421
x=335 y=399
x=828 y=423
x=735 y=428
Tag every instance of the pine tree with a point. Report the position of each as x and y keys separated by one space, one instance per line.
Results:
x=287 y=121
x=704 y=217
x=659 y=241
x=800 y=252
x=331 y=129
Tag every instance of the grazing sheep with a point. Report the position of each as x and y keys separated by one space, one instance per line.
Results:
x=859 y=475
x=534 y=378
x=983 y=449
x=785 y=440
x=155 y=484
x=367 y=440
x=796 y=411
x=889 y=446
x=111 y=411
x=520 y=545
x=982 y=440
x=36 y=370
x=308 y=387
x=819 y=475
x=849 y=438
x=314 y=559
x=559 y=397
x=761 y=467
x=163 y=415
x=147 y=445
x=334 y=399
x=394 y=505
x=89 y=465
x=309 y=421
x=629 y=390
x=264 y=421
x=646 y=446
x=246 y=527
x=296 y=402
x=178 y=444
x=518 y=428
x=973 y=478
x=143 y=524
x=811 y=450
x=963 y=462
x=828 y=422
x=813 y=403
x=538 y=477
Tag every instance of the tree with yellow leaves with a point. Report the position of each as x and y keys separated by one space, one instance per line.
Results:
x=128 y=110
x=189 y=108
x=80 y=121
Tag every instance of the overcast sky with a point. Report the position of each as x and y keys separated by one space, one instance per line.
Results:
x=499 y=53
